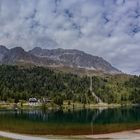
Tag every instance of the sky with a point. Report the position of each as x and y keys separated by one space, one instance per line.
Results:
x=106 y=28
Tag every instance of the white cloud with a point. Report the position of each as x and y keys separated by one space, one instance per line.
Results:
x=107 y=28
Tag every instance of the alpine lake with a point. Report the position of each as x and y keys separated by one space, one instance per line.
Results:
x=70 y=122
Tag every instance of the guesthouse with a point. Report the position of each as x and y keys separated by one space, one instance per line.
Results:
x=33 y=101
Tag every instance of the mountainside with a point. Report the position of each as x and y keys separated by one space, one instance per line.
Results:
x=19 y=55
x=55 y=58
x=23 y=83
x=3 y=52
x=75 y=58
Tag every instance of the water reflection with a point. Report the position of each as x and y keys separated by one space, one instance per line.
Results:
x=99 y=116
x=85 y=117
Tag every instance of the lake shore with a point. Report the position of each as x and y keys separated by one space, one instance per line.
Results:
x=124 y=135
x=16 y=136
x=65 y=106
x=127 y=135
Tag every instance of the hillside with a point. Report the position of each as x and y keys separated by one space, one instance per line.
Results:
x=76 y=59
x=18 y=82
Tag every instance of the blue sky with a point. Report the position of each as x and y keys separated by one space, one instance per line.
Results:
x=107 y=28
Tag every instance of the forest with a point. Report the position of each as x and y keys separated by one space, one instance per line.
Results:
x=21 y=83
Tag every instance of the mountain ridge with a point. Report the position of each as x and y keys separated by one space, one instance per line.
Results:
x=76 y=58
x=56 y=58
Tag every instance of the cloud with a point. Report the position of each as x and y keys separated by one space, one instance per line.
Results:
x=107 y=28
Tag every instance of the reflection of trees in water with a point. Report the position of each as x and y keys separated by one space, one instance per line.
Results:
x=119 y=115
x=85 y=116
x=98 y=112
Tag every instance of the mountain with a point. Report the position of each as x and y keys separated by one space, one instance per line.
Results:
x=3 y=51
x=56 y=58
x=18 y=55
x=75 y=59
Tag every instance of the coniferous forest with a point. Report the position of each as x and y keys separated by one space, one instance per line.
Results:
x=21 y=83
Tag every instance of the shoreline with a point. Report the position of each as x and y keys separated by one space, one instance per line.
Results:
x=76 y=106
x=127 y=135
x=16 y=136
x=124 y=135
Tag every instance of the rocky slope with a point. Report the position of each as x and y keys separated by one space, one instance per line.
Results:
x=75 y=58
x=55 y=58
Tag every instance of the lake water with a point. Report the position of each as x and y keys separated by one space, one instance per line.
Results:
x=76 y=122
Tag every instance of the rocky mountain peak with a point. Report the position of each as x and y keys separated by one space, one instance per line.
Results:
x=56 y=58
x=17 y=50
x=75 y=58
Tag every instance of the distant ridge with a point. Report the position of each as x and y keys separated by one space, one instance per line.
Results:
x=56 y=58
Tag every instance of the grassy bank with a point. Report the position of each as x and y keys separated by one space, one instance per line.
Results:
x=65 y=106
